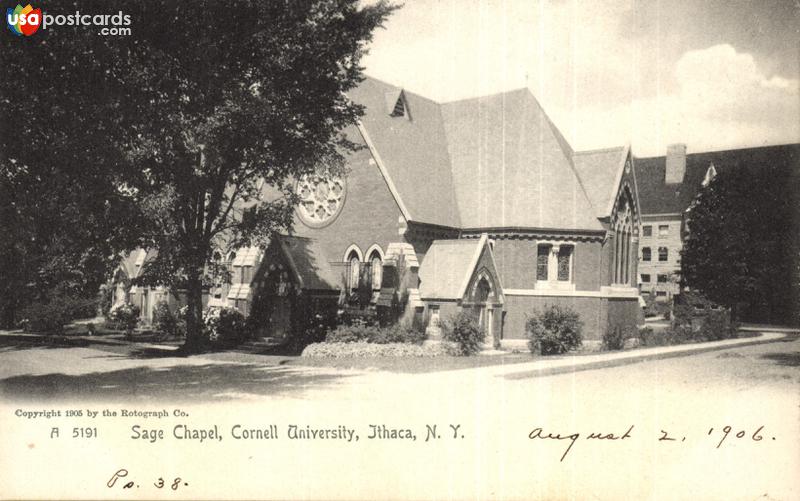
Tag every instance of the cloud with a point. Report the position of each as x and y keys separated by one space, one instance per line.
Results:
x=451 y=49
x=722 y=101
x=602 y=86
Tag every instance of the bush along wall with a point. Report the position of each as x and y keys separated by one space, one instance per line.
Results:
x=125 y=317
x=363 y=333
x=224 y=327
x=463 y=331
x=553 y=331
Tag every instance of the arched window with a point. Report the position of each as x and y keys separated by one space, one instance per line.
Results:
x=376 y=269
x=354 y=270
x=623 y=239
x=352 y=261
x=482 y=290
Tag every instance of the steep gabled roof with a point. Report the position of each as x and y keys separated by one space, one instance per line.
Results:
x=658 y=197
x=511 y=167
x=134 y=261
x=310 y=266
x=600 y=171
x=413 y=150
x=448 y=266
x=491 y=161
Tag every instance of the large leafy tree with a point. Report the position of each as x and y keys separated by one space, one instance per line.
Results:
x=202 y=117
x=60 y=233
x=742 y=244
x=63 y=220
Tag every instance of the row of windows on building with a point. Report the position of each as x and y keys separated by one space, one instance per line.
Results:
x=554 y=263
x=647 y=254
x=663 y=230
x=373 y=263
x=660 y=278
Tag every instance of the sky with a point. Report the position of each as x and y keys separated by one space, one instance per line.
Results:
x=713 y=74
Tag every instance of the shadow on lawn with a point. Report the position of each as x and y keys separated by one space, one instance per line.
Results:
x=39 y=343
x=786 y=359
x=180 y=383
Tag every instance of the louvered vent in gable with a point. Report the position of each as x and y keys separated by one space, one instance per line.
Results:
x=396 y=105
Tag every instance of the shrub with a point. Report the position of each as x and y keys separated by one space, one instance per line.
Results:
x=554 y=331
x=412 y=333
x=49 y=317
x=717 y=326
x=358 y=332
x=463 y=331
x=614 y=338
x=79 y=307
x=125 y=317
x=362 y=349
x=682 y=313
x=105 y=299
x=358 y=316
x=224 y=327
x=655 y=307
x=681 y=334
x=649 y=337
x=164 y=320
x=398 y=333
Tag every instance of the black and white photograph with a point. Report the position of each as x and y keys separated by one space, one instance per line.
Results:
x=402 y=250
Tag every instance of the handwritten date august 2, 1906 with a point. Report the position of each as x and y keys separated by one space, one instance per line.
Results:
x=723 y=434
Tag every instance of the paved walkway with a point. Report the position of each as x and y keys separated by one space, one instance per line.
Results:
x=539 y=367
x=547 y=366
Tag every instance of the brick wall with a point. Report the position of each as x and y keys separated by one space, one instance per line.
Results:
x=519 y=308
x=596 y=313
x=369 y=215
x=516 y=262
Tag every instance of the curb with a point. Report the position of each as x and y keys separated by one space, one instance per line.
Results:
x=644 y=357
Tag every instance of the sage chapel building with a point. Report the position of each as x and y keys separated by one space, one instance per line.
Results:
x=478 y=204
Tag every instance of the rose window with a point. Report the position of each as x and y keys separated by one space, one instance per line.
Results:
x=321 y=199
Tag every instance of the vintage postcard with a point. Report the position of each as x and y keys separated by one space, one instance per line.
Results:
x=359 y=249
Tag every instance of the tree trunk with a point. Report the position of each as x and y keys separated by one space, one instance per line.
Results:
x=194 y=315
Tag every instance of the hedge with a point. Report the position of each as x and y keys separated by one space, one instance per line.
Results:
x=364 y=350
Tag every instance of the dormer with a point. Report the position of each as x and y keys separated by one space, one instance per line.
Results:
x=711 y=173
x=396 y=104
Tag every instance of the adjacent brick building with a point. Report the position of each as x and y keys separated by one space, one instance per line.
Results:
x=667 y=187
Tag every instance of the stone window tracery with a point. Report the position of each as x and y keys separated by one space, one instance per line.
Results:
x=321 y=199
x=564 y=255
x=623 y=227
x=542 y=258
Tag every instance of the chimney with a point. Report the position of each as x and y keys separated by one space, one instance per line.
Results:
x=676 y=163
